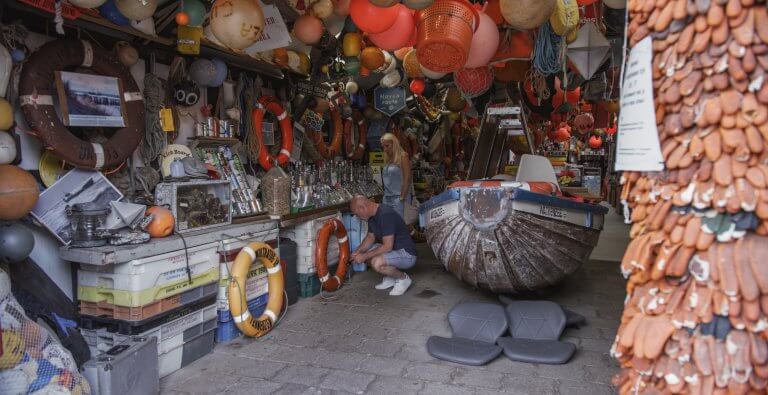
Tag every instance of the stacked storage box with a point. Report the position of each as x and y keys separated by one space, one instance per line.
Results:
x=146 y=290
x=256 y=285
x=305 y=237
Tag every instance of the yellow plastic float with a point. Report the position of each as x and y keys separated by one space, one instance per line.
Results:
x=238 y=306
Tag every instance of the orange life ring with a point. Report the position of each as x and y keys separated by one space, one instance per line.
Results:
x=355 y=153
x=325 y=150
x=272 y=104
x=37 y=92
x=331 y=283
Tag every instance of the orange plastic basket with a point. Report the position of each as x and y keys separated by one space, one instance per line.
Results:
x=444 y=35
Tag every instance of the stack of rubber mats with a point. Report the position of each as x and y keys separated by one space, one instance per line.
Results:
x=696 y=311
x=305 y=237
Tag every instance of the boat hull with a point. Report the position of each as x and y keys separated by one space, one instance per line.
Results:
x=509 y=240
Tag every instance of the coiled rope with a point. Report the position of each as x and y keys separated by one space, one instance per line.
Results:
x=547 y=51
x=154 y=137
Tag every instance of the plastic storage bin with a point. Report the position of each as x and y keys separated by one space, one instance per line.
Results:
x=143 y=281
x=356 y=231
x=305 y=237
x=227 y=331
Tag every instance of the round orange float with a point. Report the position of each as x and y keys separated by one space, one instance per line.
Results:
x=335 y=227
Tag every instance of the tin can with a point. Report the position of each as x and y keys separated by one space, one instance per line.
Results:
x=224 y=128
x=200 y=130
x=213 y=126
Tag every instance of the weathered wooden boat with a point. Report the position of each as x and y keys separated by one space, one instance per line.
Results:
x=510 y=236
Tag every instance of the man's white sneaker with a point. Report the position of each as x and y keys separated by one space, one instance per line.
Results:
x=401 y=285
x=387 y=282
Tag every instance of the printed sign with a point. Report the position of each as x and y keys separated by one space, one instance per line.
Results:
x=503 y=110
x=389 y=100
x=310 y=88
x=637 y=147
x=275 y=34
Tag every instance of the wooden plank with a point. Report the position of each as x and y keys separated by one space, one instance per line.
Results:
x=109 y=255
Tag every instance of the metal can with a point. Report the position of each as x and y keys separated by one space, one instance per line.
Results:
x=213 y=126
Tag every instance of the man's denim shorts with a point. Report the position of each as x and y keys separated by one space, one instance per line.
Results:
x=400 y=259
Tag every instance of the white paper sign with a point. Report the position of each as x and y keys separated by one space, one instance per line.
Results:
x=275 y=34
x=637 y=147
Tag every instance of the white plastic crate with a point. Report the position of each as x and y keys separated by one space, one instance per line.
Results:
x=145 y=280
x=256 y=284
x=305 y=237
x=150 y=272
x=102 y=340
x=235 y=244
x=190 y=351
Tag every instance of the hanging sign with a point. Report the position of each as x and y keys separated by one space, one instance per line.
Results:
x=503 y=110
x=275 y=34
x=309 y=88
x=637 y=147
x=389 y=100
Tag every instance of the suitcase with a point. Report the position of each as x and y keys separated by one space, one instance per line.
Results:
x=127 y=368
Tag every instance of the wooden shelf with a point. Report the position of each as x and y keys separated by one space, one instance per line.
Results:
x=202 y=141
x=103 y=26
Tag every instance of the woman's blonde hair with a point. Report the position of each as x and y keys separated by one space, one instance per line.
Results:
x=397 y=150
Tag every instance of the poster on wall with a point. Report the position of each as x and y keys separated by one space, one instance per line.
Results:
x=90 y=100
x=637 y=146
x=275 y=34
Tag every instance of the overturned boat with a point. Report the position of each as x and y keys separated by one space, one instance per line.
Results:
x=510 y=236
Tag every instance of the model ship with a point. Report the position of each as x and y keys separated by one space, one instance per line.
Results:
x=511 y=236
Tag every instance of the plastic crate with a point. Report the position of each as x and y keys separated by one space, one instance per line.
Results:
x=226 y=329
x=143 y=281
x=309 y=285
x=187 y=353
x=305 y=237
x=256 y=285
x=149 y=311
x=226 y=315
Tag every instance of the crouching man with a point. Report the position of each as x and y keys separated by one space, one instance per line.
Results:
x=387 y=247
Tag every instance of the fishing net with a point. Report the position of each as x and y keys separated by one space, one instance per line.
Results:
x=31 y=360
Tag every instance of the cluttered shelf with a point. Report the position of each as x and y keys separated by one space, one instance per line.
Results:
x=106 y=27
x=109 y=255
x=289 y=220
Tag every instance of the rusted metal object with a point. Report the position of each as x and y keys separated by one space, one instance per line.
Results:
x=507 y=239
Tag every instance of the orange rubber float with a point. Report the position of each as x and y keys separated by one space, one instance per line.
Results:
x=236 y=292
x=354 y=152
x=335 y=227
x=325 y=150
x=272 y=104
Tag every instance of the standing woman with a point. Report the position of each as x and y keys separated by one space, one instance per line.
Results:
x=396 y=174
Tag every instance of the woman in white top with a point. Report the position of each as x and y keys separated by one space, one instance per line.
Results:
x=396 y=174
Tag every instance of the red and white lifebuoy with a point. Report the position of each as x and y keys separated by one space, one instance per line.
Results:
x=331 y=227
x=272 y=104
x=354 y=152
x=325 y=150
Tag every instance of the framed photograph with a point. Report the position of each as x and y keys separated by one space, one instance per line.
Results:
x=77 y=186
x=90 y=100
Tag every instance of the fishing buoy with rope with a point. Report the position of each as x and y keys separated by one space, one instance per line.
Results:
x=238 y=306
x=335 y=227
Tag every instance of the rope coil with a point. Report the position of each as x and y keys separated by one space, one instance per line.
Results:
x=547 y=51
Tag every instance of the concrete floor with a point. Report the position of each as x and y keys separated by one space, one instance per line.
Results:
x=365 y=341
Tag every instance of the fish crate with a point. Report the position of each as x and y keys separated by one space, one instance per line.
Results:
x=143 y=281
x=309 y=283
x=305 y=237
x=197 y=205
x=106 y=311
x=227 y=330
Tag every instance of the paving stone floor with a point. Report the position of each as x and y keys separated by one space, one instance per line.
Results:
x=365 y=341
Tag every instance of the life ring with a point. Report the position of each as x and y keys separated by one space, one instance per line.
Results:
x=355 y=152
x=36 y=93
x=272 y=104
x=238 y=306
x=331 y=283
x=325 y=150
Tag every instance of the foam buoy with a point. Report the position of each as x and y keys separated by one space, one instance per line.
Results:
x=203 y=72
x=18 y=192
x=308 y=29
x=6 y=115
x=162 y=223
x=7 y=148
x=87 y=3
x=237 y=23
x=372 y=58
x=370 y=18
x=136 y=9
x=16 y=243
x=126 y=53
x=526 y=14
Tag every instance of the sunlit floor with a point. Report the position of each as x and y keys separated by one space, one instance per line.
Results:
x=365 y=341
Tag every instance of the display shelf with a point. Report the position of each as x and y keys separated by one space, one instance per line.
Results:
x=204 y=142
x=110 y=255
x=289 y=220
x=103 y=26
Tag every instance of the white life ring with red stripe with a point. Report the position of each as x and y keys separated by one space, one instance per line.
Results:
x=272 y=104
x=354 y=152
x=331 y=283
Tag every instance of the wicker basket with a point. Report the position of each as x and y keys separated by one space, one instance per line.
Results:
x=444 y=35
x=276 y=191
